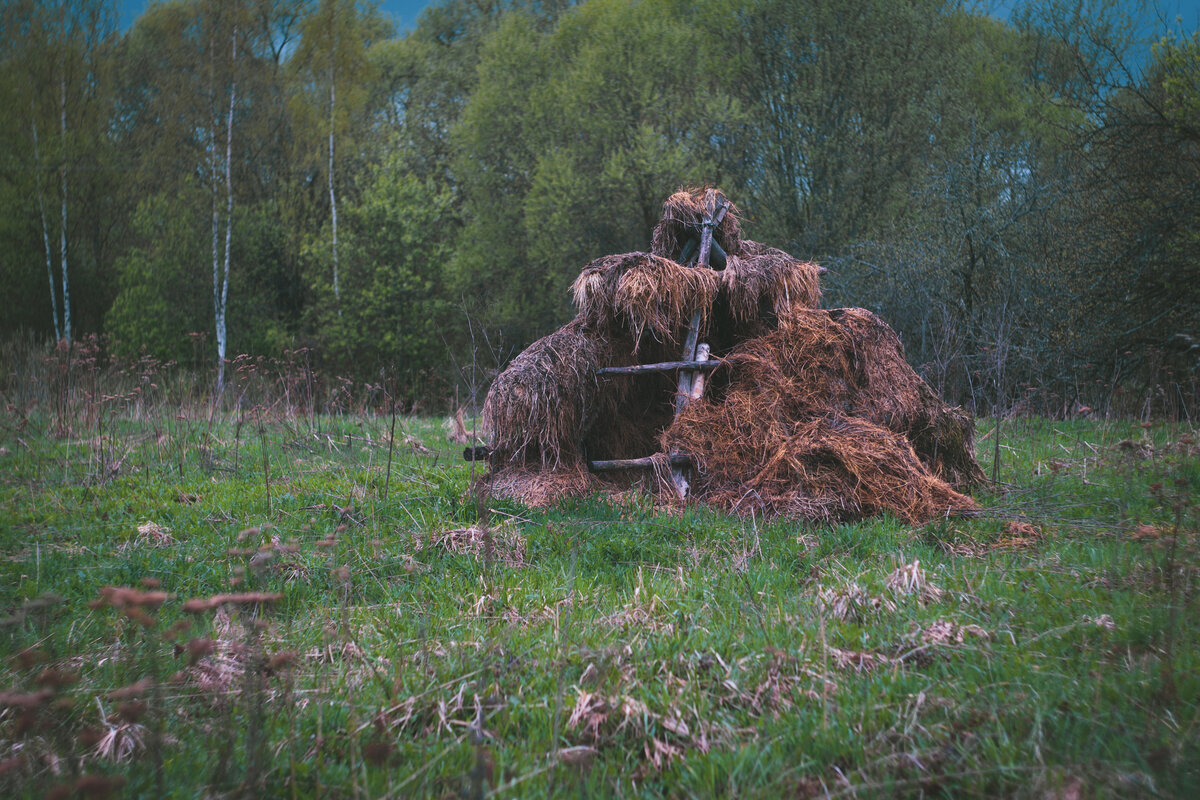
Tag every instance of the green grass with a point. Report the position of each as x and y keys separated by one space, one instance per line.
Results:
x=1047 y=648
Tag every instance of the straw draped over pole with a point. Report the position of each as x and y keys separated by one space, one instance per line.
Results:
x=802 y=411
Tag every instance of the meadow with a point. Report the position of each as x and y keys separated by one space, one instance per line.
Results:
x=271 y=601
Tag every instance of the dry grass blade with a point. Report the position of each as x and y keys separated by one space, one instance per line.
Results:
x=944 y=632
x=501 y=542
x=457 y=428
x=911 y=579
x=151 y=534
x=851 y=602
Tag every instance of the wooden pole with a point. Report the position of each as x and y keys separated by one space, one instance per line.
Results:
x=635 y=463
x=479 y=452
x=714 y=212
x=665 y=366
x=711 y=220
x=702 y=354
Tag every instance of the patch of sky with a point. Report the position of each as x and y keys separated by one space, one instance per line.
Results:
x=405 y=12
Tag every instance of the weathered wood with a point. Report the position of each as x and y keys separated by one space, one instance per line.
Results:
x=697 y=390
x=664 y=366
x=717 y=258
x=706 y=230
x=635 y=463
x=714 y=212
x=477 y=453
x=689 y=249
x=684 y=388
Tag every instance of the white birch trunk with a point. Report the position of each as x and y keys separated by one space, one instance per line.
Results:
x=37 y=168
x=224 y=298
x=62 y=234
x=337 y=294
x=216 y=221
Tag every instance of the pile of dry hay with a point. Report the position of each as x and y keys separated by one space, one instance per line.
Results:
x=813 y=413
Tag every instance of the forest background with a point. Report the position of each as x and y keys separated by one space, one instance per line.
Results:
x=1018 y=197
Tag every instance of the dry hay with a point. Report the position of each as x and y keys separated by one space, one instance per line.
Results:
x=849 y=363
x=813 y=424
x=944 y=632
x=151 y=534
x=851 y=602
x=826 y=469
x=682 y=215
x=540 y=487
x=540 y=406
x=764 y=285
x=814 y=414
x=500 y=543
x=910 y=579
x=645 y=293
x=819 y=419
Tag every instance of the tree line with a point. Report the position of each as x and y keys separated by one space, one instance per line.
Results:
x=1017 y=197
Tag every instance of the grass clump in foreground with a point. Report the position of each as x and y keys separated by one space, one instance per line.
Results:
x=197 y=606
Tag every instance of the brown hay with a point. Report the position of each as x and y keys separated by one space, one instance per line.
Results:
x=644 y=292
x=540 y=488
x=769 y=285
x=816 y=420
x=813 y=424
x=815 y=413
x=849 y=362
x=827 y=469
x=683 y=213
x=541 y=405
x=594 y=289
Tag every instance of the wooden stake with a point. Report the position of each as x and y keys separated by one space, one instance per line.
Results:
x=714 y=212
x=702 y=353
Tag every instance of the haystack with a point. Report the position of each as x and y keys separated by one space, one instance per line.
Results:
x=808 y=413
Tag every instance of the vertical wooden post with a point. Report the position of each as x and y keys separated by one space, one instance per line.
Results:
x=686 y=389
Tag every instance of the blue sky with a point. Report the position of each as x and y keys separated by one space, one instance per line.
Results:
x=405 y=11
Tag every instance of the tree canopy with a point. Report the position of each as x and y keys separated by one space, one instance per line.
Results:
x=1017 y=197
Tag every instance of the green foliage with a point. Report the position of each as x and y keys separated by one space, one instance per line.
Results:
x=570 y=145
x=156 y=306
x=1015 y=196
x=395 y=249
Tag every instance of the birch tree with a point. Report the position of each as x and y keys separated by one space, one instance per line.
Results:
x=62 y=178
x=56 y=48
x=332 y=71
x=332 y=5
x=41 y=198
x=221 y=86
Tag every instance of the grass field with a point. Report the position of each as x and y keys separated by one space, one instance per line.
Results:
x=335 y=627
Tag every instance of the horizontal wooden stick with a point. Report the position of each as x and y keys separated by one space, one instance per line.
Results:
x=633 y=463
x=665 y=366
x=479 y=452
